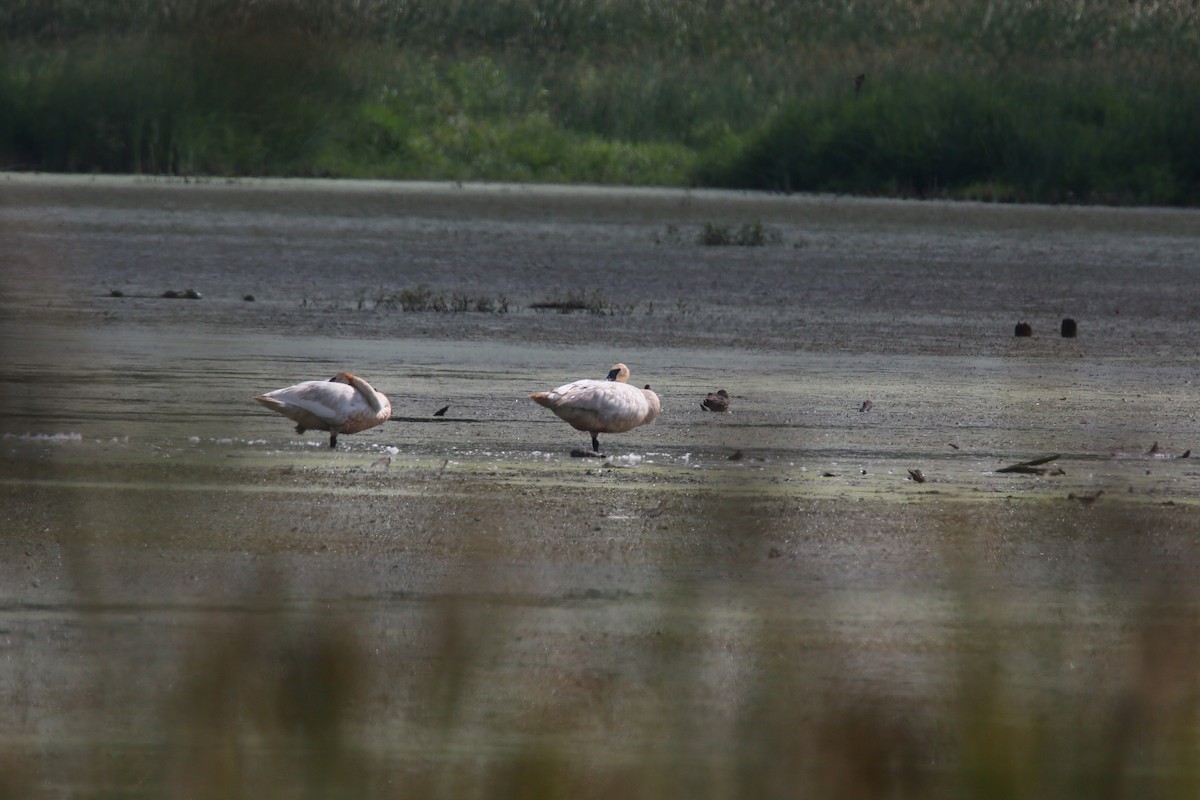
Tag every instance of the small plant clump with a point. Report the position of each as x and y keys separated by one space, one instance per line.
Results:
x=714 y=235
x=422 y=298
x=419 y=298
x=751 y=234
x=593 y=303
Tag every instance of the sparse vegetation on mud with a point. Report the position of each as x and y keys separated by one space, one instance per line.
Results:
x=751 y=234
x=593 y=302
x=423 y=298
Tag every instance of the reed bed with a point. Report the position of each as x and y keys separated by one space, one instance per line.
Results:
x=1018 y=100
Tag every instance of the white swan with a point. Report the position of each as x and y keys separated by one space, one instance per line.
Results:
x=343 y=404
x=608 y=406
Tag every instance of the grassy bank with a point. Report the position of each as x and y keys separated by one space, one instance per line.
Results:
x=1085 y=101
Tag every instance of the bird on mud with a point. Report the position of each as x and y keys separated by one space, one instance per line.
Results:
x=716 y=401
x=343 y=404
x=607 y=406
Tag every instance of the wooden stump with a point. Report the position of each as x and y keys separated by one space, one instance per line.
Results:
x=1024 y=329
x=1068 y=328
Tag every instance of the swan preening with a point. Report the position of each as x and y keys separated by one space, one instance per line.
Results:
x=343 y=404
x=607 y=406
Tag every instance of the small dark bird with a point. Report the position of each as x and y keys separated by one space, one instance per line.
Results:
x=441 y=412
x=858 y=81
x=716 y=401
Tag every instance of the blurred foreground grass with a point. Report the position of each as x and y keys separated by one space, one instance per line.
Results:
x=1093 y=101
x=738 y=645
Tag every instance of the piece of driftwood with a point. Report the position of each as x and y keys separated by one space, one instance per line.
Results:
x=561 y=306
x=657 y=510
x=1033 y=466
x=1086 y=499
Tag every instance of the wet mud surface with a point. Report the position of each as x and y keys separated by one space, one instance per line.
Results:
x=154 y=509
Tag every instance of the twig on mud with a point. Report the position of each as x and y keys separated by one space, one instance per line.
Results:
x=1086 y=499
x=1033 y=466
x=657 y=510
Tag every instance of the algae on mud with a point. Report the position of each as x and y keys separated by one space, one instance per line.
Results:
x=197 y=600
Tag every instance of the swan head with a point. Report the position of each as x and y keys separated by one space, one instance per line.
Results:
x=618 y=373
x=655 y=404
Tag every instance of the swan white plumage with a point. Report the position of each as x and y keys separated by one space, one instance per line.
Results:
x=343 y=404
x=607 y=406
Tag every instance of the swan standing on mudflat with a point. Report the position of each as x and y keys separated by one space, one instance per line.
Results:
x=343 y=404
x=607 y=406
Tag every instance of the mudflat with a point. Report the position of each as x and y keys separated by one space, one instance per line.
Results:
x=468 y=596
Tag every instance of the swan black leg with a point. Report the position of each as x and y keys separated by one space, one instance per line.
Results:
x=595 y=443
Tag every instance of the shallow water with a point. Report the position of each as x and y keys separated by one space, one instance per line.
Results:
x=494 y=594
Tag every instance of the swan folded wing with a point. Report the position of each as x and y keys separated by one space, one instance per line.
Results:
x=605 y=406
x=330 y=403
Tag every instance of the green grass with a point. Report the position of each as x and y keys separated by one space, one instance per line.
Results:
x=1095 y=101
x=1015 y=137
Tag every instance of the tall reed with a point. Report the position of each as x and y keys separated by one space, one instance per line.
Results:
x=1009 y=99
